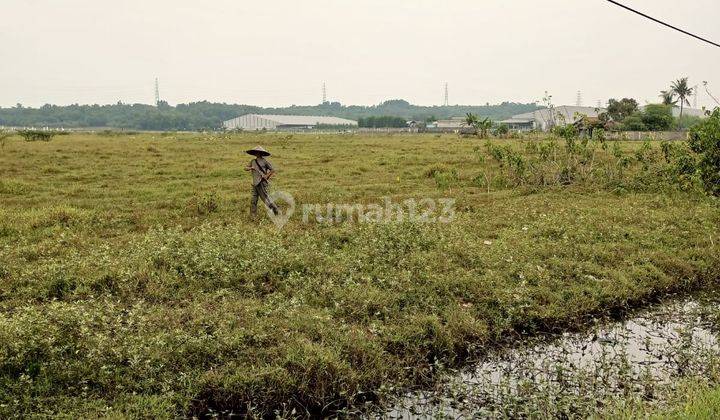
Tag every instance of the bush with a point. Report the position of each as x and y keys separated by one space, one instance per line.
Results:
x=501 y=130
x=36 y=135
x=203 y=205
x=634 y=123
x=705 y=141
x=658 y=117
x=565 y=131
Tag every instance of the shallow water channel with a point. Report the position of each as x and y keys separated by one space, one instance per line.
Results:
x=577 y=374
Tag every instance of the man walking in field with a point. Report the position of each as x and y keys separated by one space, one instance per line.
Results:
x=262 y=171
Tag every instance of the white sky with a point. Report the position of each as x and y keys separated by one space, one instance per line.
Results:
x=275 y=53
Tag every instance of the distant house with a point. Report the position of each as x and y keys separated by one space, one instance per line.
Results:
x=253 y=122
x=453 y=123
x=545 y=119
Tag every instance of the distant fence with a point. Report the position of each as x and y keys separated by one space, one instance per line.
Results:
x=649 y=135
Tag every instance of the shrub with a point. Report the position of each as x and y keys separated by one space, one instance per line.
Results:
x=501 y=130
x=658 y=117
x=203 y=205
x=705 y=141
x=36 y=135
x=565 y=131
x=634 y=122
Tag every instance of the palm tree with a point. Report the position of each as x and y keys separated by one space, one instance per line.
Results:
x=471 y=120
x=682 y=90
x=483 y=127
x=668 y=97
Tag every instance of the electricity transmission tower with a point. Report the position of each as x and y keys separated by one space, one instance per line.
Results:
x=324 y=93
x=578 y=100
x=157 y=92
x=705 y=84
x=447 y=102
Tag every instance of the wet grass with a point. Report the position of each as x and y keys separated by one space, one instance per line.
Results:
x=133 y=282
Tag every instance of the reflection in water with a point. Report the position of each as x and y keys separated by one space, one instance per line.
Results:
x=577 y=374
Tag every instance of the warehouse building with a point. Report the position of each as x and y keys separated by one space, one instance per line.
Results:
x=544 y=119
x=252 y=122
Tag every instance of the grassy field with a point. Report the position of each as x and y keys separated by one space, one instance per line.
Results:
x=134 y=283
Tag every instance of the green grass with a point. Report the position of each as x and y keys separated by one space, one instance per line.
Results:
x=134 y=283
x=692 y=399
x=699 y=404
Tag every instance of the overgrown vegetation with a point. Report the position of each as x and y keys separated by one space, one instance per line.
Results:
x=134 y=283
x=382 y=121
x=36 y=135
x=705 y=141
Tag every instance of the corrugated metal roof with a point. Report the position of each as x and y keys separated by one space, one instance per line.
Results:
x=516 y=120
x=304 y=119
x=567 y=112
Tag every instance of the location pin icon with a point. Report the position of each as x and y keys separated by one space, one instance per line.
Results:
x=284 y=211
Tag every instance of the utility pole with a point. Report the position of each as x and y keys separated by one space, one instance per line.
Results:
x=447 y=102
x=157 y=92
x=324 y=93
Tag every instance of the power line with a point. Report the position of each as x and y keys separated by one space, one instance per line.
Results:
x=663 y=23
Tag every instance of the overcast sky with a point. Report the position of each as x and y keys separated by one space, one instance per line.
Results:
x=272 y=52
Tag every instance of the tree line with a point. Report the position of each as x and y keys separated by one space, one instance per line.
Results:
x=209 y=116
x=627 y=114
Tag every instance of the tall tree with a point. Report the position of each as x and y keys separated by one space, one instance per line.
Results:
x=619 y=110
x=682 y=90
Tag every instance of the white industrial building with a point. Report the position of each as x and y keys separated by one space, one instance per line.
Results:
x=252 y=122
x=544 y=119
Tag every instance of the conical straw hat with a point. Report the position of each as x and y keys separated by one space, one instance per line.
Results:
x=258 y=151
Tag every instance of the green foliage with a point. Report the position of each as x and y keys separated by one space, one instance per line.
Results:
x=471 y=120
x=657 y=117
x=501 y=130
x=36 y=135
x=634 y=122
x=480 y=126
x=668 y=97
x=681 y=89
x=134 y=284
x=567 y=132
x=385 y=121
x=197 y=116
x=483 y=126
x=203 y=204
x=705 y=142
x=619 y=110
x=687 y=121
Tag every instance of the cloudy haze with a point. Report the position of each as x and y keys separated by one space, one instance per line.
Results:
x=280 y=52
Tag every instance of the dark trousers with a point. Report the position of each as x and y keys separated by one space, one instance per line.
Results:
x=261 y=191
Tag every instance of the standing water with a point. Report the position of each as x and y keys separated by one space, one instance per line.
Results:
x=577 y=374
